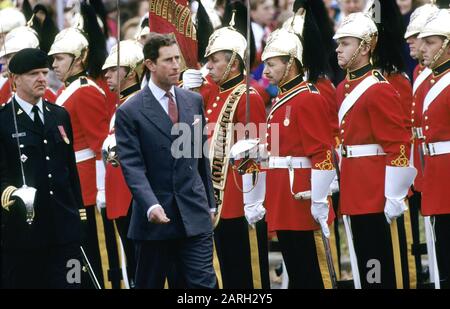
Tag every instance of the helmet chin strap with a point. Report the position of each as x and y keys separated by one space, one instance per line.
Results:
x=355 y=54
x=228 y=69
x=439 y=54
x=287 y=70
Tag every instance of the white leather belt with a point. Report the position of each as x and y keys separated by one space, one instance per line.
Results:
x=292 y=163
x=84 y=154
x=357 y=151
x=288 y=162
x=438 y=148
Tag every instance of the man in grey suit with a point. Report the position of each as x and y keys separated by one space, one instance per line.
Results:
x=173 y=200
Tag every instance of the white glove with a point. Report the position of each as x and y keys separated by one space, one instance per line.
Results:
x=320 y=186
x=254 y=198
x=192 y=79
x=100 y=200
x=334 y=187
x=254 y=212
x=100 y=179
x=396 y=186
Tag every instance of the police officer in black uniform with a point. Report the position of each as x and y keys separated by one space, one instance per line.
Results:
x=44 y=253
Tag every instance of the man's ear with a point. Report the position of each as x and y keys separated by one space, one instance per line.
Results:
x=150 y=65
x=365 y=49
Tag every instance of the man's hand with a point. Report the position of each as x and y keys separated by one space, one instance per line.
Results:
x=254 y=212
x=100 y=200
x=319 y=211
x=158 y=216
x=213 y=217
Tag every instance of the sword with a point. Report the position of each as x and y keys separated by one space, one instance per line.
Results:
x=431 y=249
x=329 y=257
x=351 y=249
x=88 y=268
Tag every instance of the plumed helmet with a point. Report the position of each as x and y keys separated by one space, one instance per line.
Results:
x=437 y=23
x=358 y=25
x=69 y=41
x=18 y=39
x=282 y=42
x=11 y=18
x=419 y=18
x=227 y=38
x=131 y=56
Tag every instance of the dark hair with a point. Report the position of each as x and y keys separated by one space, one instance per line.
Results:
x=154 y=43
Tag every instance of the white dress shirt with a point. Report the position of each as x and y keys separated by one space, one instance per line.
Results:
x=27 y=107
x=160 y=95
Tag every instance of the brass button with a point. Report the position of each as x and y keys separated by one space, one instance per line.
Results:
x=49 y=175
x=342 y=131
x=267 y=134
x=206 y=119
x=426 y=117
x=427 y=127
x=432 y=81
x=343 y=121
x=346 y=94
x=45 y=141
x=268 y=126
x=217 y=98
x=347 y=86
x=47 y=158
x=209 y=111
x=214 y=104
x=51 y=192
x=412 y=112
x=412 y=120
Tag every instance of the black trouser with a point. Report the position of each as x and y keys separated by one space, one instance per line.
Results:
x=90 y=245
x=414 y=208
x=373 y=248
x=192 y=256
x=300 y=256
x=232 y=241
x=123 y=223
x=442 y=231
x=55 y=267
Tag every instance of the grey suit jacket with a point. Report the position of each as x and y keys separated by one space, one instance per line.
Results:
x=154 y=175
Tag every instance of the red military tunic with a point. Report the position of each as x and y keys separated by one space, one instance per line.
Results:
x=328 y=91
x=233 y=201
x=302 y=132
x=375 y=118
x=402 y=85
x=118 y=195
x=419 y=92
x=6 y=94
x=85 y=102
x=436 y=128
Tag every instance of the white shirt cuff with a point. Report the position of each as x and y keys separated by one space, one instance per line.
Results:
x=212 y=210
x=150 y=210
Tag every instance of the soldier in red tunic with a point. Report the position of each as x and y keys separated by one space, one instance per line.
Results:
x=242 y=251
x=299 y=149
x=436 y=130
x=76 y=62
x=421 y=78
x=125 y=77
x=375 y=171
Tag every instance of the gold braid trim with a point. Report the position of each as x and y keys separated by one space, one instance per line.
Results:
x=325 y=165
x=401 y=160
x=6 y=197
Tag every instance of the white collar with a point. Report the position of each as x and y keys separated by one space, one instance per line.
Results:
x=27 y=107
x=159 y=93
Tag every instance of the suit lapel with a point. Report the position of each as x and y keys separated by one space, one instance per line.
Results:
x=154 y=112
x=184 y=106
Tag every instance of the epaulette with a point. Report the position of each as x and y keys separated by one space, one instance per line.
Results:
x=378 y=76
x=83 y=81
x=312 y=88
